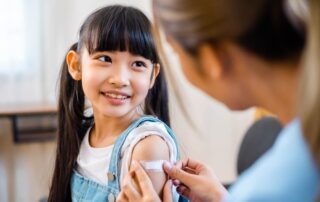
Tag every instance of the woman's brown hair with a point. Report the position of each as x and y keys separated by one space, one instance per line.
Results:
x=309 y=107
x=260 y=26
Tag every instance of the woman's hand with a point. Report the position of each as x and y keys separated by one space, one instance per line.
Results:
x=195 y=181
x=137 y=187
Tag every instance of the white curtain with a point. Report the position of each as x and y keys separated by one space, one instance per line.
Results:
x=20 y=52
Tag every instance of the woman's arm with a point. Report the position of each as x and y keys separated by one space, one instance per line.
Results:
x=193 y=179
x=196 y=181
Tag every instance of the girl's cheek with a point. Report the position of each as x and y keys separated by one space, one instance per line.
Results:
x=142 y=86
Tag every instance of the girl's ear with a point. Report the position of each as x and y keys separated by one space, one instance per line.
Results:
x=72 y=59
x=155 y=73
x=211 y=62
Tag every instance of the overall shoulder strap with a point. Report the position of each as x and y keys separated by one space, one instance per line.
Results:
x=114 y=167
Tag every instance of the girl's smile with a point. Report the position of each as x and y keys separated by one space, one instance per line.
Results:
x=115 y=97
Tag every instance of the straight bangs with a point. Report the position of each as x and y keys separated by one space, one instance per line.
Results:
x=119 y=28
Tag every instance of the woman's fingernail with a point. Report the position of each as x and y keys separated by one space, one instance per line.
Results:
x=167 y=165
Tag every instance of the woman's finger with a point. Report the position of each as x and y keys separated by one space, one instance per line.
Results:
x=179 y=174
x=184 y=191
x=122 y=197
x=190 y=170
x=143 y=179
x=129 y=190
x=176 y=182
x=192 y=164
x=179 y=164
x=167 y=192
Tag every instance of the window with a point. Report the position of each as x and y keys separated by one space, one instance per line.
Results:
x=20 y=51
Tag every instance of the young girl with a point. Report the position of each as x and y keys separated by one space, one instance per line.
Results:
x=115 y=67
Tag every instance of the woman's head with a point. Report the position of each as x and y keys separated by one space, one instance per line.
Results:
x=235 y=33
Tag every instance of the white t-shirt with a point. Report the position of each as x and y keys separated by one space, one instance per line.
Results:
x=93 y=163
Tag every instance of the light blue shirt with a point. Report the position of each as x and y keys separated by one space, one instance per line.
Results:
x=286 y=173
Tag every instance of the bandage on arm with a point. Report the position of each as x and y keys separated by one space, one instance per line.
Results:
x=153 y=166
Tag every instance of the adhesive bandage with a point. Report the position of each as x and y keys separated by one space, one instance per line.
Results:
x=153 y=166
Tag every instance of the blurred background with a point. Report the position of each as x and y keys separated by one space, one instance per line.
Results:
x=34 y=36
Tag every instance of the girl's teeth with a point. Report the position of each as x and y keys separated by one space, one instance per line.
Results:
x=116 y=96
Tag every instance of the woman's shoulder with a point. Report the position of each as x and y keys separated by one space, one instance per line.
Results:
x=286 y=172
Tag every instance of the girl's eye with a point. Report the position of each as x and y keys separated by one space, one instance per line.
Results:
x=105 y=58
x=139 y=64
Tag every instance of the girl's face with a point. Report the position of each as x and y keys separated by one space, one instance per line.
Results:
x=116 y=83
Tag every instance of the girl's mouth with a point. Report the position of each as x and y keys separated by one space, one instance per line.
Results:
x=116 y=98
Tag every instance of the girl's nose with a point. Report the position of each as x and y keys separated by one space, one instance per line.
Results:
x=119 y=77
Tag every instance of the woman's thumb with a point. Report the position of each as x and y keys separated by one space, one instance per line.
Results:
x=177 y=173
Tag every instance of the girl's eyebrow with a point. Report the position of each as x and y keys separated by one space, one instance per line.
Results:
x=142 y=58
x=138 y=56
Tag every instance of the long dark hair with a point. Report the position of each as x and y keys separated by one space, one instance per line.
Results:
x=111 y=28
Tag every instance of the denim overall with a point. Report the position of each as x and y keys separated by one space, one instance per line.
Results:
x=85 y=190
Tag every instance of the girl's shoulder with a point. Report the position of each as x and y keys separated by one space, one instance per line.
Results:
x=152 y=127
x=150 y=137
